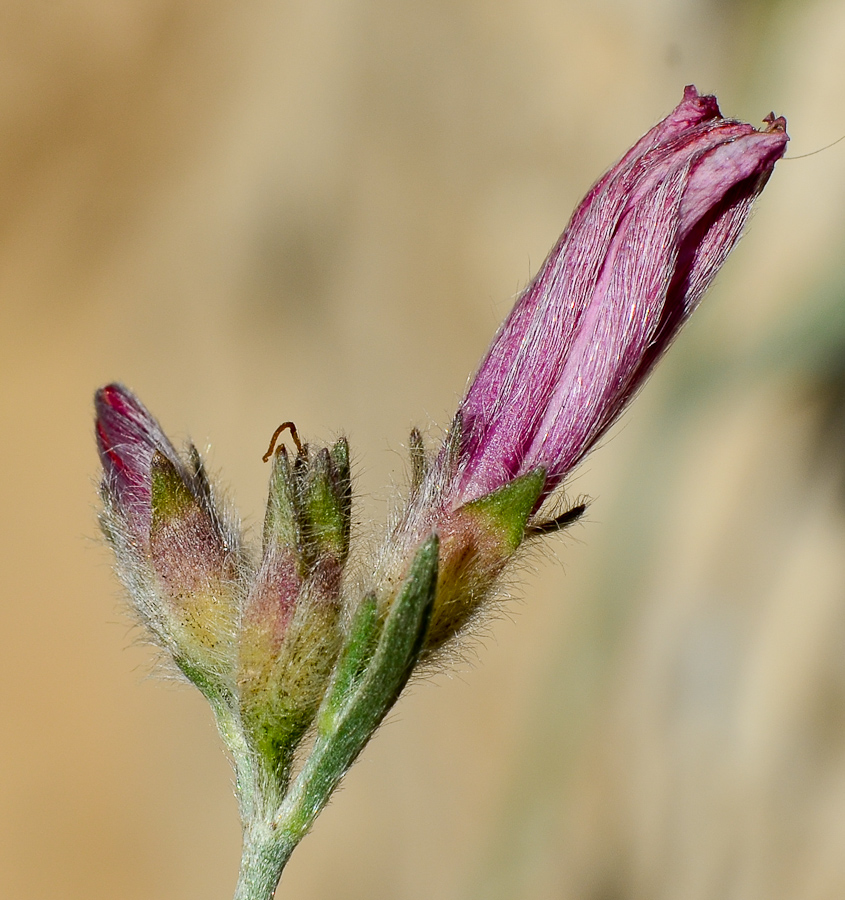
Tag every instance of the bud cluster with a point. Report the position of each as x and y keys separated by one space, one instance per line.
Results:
x=283 y=642
x=290 y=632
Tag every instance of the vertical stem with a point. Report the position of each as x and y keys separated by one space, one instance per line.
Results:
x=275 y=816
x=265 y=853
x=265 y=849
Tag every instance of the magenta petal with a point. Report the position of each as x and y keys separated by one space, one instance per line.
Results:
x=614 y=336
x=631 y=266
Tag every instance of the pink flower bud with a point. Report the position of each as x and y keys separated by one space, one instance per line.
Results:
x=630 y=268
x=176 y=551
x=127 y=439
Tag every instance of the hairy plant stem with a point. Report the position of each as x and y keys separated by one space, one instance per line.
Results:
x=272 y=831
x=265 y=853
x=265 y=850
x=369 y=677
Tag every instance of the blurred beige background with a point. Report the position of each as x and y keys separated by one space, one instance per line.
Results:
x=252 y=212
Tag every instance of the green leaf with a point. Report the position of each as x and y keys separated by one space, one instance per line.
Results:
x=354 y=708
x=356 y=654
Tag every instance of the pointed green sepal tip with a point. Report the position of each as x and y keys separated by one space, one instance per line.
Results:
x=343 y=486
x=328 y=505
x=170 y=497
x=340 y=457
x=508 y=509
x=201 y=484
x=281 y=524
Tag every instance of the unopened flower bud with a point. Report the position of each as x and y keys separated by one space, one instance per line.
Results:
x=178 y=558
x=127 y=438
x=290 y=633
x=628 y=271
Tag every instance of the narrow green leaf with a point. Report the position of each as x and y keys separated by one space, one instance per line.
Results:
x=401 y=640
x=344 y=734
x=357 y=652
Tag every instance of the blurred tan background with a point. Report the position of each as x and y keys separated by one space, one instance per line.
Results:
x=252 y=212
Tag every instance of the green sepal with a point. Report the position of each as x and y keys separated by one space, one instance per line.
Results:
x=327 y=502
x=343 y=486
x=278 y=709
x=509 y=508
x=170 y=497
x=281 y=521
x=354 y=707
x=326 y=521
x=196 y=608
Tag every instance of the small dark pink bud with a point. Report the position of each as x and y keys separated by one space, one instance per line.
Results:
x=177 y=552
x=630 y=268
x=127 y=438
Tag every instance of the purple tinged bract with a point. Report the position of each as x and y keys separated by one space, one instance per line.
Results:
x=630 y=268
x=178 y=552
x=128 y=436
